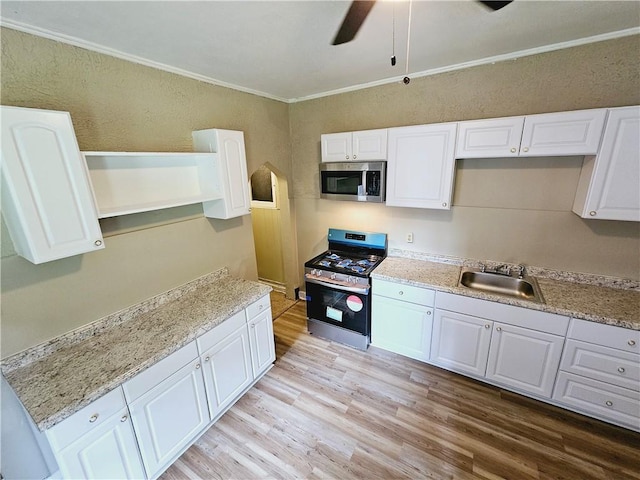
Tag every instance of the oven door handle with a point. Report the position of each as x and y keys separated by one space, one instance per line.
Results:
x=361 y=290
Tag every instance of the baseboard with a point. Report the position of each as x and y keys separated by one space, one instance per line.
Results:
x=302 y=295
x=277 y=287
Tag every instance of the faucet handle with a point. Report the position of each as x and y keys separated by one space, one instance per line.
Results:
x=521 y=270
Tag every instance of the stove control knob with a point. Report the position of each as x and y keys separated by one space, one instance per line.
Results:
x=333 y=276
x=319 y=273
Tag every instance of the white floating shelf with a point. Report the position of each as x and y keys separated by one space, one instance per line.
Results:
x=133 y=182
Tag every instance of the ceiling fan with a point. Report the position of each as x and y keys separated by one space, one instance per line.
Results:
x=359 y=10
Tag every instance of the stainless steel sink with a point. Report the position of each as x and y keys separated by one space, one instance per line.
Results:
x=525 y=288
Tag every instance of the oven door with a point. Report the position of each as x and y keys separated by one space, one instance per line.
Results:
x=346 y=309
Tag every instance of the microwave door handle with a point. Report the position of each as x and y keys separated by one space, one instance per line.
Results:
x=361 y=290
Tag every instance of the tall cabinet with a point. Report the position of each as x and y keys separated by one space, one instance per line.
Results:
x=47 y=199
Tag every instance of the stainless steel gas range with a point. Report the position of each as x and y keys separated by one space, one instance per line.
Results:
x=338 y=286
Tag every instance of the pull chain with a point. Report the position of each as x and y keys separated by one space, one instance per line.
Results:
x=408 y=39
x=393 y=36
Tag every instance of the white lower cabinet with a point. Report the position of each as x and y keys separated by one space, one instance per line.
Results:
x=261 y=339
x=402 y=318
x=169 y=416
x=97 y=441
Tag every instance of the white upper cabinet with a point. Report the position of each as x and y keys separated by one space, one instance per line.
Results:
x=233 y=181
x=358 y=146
x=420 y=167
x=608 y=188
x=47 y=200
x=549 y=134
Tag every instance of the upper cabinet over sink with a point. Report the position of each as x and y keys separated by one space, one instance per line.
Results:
x=359 y=146
x=549 y=134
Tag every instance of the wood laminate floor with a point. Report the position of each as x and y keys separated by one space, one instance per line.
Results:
x=328 y=411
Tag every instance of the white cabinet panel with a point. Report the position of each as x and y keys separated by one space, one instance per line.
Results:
x=605 y=335
x=524 y=359
x=169 y=416
x=461 y=342
x=363 y=145
x=420 y=166
x=403 y=292
x=47 y=200
x=227 y=370
x=401 y=327
x=563 y=133
x=262 y=341
x=233 y=180
x=107 y=452
x=608 y=186
x=496 y=137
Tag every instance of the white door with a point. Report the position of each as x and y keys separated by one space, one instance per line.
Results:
x=169 y=416
x=370 y=145
x=401 y=327
x=421 y=165
x=47 y=199
x=613 y=192
x=563 y=133
x=227 y=370
x=525 y=359
x=263 y=348
x=336 y=147
x=108 y=451
x=492 y=138
x=461 y=342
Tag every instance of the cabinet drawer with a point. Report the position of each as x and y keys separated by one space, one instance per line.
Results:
x=403 y=292
x=602 y=363
x=510 y=314
x=85 y=420
x=600 y=399
x=220 y=332
x=605 y=335
x=149 y=378
x=258 y=307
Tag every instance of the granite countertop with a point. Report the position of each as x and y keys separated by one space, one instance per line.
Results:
x=56 y=379
x=610 y=301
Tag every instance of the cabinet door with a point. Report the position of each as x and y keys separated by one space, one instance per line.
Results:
x=497 y=137
x=336 y=147
x=233 y=170
x=608 y=186
x=109 y=451
x=461 y=342
x=227 y=370
x=47 y=200
x=401 y=327
x=563 y=133
x=169 y=416
x=421 y=165
x=370 y=145
x=262 y=342
x=524 y=359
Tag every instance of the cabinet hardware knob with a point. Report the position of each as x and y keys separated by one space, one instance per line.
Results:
x=400 y=292
x=499 y=329
x=124 y=418
x=513 y=150
x=347 y=157
x=206 y=359
x=354 y=157
x=444 y=204
x=525 y=149
x=93 y=418
x=487 y=326
x=260 y=307
x=428 y=313
x=621 y=369
x=608 y=403
x=592 y=213
x=197 y=365
x=97 y=243
x=631 y=343
x=253 y=325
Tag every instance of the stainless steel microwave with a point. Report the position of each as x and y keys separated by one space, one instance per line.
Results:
x=353 y=181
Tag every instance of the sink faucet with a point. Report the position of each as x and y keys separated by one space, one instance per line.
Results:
x=503 y=270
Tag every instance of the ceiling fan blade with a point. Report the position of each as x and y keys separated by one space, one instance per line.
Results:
x=353 y=20
x=495 y=5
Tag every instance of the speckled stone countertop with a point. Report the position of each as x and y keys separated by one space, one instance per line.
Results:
x=58 y=378
x=599 y=299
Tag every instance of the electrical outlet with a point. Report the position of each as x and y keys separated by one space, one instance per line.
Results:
x=410 y=237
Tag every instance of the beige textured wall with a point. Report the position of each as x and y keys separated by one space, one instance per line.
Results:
x=118 y=105
x=502 y=210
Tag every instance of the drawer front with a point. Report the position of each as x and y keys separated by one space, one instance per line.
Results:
x=86 y=419
x=220 y=332
x=258 y=307
x=509 y=314
x=152 y=376
x=403 y=292
x=602 y=400
x=602 y=363
x=605 y=335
